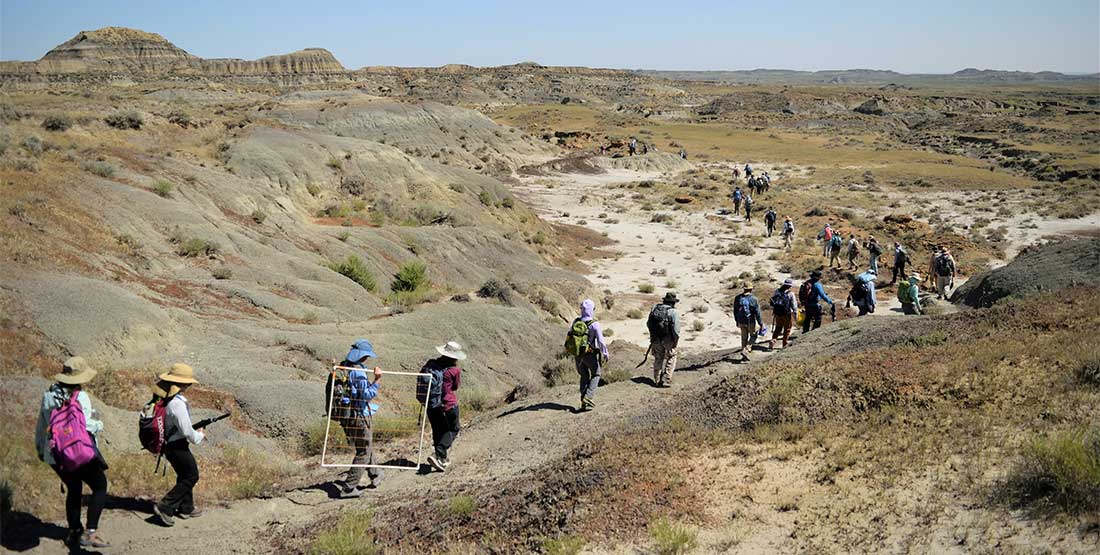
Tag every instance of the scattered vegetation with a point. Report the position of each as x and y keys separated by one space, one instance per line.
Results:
x=354 y=269
x=222 y=273
x=565 y=545
x=672 y=539
x=351 y=535
x=496 y=289
x=162 y=188
x=193 y=247
x=100 y=168
x=1062 y=469
x=128 y=119
x=635 y=314
x=646 y=288
x=462 y=505
x=698 y=325
x=259 y=216
x=412 y=276
x=57 y=122
x=313 y=437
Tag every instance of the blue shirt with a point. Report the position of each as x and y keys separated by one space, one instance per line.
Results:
x=362 y=391
x=818 y=292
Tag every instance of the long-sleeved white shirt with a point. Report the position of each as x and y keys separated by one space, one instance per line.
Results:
x=178 y=420
x=54 y=397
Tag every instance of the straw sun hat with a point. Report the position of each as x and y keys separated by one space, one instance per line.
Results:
x=75 y=372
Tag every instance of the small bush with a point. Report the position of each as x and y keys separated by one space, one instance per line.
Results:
x=495 y=289
x=616 y=375
x=354 y=269
x=102 y=169
x=561 y=370
x=128 y=119
x=700 y=308
x=57 y=122
x=33 y=145
x=313 y=437
x=222 y=273
x=485 y=198
x=255 y=475
x=411 y=276
x=565 y=545
x=24 y=165
x=194 y=247
x=672 y=284
x=635 y=314
x=1089 y=372
x=462 y=505
x=646 y=288
x=351 y=536
x=9 y=113
x=475 y=399
x=1063 y=469
x=508 y=202
x=181 y=119
x=698 y=325
x=162 y=188
x=259 y=216
x=672 y=539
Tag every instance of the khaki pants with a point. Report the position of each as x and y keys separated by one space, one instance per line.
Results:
x=783 y=325
x=748 y=338
x=664 y=360
x=942 y=283
x=787 y=241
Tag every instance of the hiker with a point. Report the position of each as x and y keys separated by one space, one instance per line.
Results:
x=746 y=312
x=683 y=154
x=853 y=252
x=645 y=149
x=748 y=171
x=179 y=502
x=358 y=422
x=748 y=208
x=901 y=260
x=943 y=266
x=826 y=237
x=585 y=342
x=784 y=308
x=737 y=196
x=767 y=182
x=874 y=251
x=441 y=400
x=664 y=336
x=909 y=294
x=862 y=293
x=835 y=246
x=788 y=232
x=633 y=146
x=65 y=437
x=769 y=221
x=736 y=173
x=810 y=295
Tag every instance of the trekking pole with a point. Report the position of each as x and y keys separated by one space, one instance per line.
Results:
x=645 y=358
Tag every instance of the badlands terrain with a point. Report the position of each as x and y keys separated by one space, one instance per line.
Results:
x=254 y=217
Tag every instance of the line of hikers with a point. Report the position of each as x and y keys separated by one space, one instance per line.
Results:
x=68 y=432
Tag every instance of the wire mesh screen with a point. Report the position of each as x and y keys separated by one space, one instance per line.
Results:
x=386 y=431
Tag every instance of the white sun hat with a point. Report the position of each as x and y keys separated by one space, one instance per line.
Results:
x=452 y=350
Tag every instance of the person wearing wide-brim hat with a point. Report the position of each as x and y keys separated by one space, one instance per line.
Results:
x=664 y=339
x=812 y=303
x=179 y=502
x=357 y=424
x=784 y=305
x=909 y=294
x=746 y=312
x=68 y=388
x=438 y=393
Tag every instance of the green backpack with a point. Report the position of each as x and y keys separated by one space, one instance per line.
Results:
x=576 y=341
x=903 y=291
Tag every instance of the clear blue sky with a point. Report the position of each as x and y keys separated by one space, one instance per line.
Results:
x=934 y=36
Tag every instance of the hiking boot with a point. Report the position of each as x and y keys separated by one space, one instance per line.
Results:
x=587 y=403
x=436 y=464
x=196 y=512
x=446 y=463
x=375 y=480
x=74 y=537
x=163 y=515
x=353 y=493
x=92 y=539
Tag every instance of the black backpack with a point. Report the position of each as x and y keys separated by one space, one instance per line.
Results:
x=337 y=387
x=660 y=323
x=804 y=291
x=944 y=265
x=431 y=395
x=861 y=291
x=781 y=303
x=874 y=249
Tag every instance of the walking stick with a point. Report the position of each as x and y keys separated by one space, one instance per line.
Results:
x=642 y=363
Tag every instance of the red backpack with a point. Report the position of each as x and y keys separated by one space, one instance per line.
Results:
x=152 y=428
x=70 y=442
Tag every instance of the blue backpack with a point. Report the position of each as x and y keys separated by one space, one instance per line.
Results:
x=431 y=395
x=742 y=312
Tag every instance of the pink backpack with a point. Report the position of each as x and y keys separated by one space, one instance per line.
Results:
x=70 y=442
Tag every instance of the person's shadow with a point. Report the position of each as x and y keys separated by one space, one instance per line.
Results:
x=642 y=380
x=538 y=407
x=24 y=532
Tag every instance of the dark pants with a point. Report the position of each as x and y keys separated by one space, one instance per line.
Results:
x=899 y=269
x=444 y=429
x=179 y=499
x=771 y=228
x=93 y=475
x=588 y=366
x=909 y=308
x=359 y=434
x=813 y=318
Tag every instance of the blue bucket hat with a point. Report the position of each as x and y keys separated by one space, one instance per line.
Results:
x=359 y=349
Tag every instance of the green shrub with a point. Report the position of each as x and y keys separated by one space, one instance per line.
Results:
x=351 y=536
x=496 y=289
x=128 y=119
x=102 y=169
x=930 y=339
x=672 y=539
x=194 y=246
x=616 y=375
x=313 y=437
x=462 y=505
x=698 y=325
x=508 y=202
x=1089 y=372
x=1063 y=469
x=646 y=288
x=259 y=216
x=565 y=545
x=560 y=371
x=485 y=198
x=57 y=122
x=33 y=145
x=222 y=273
x=9 y=113
x=255 y=473
x=672 y=284
x=539 y=238
x=635 y=314
x=412 y=276
x=475 y=399
x=162 y=188
x=700 y=308
x=354 y=269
